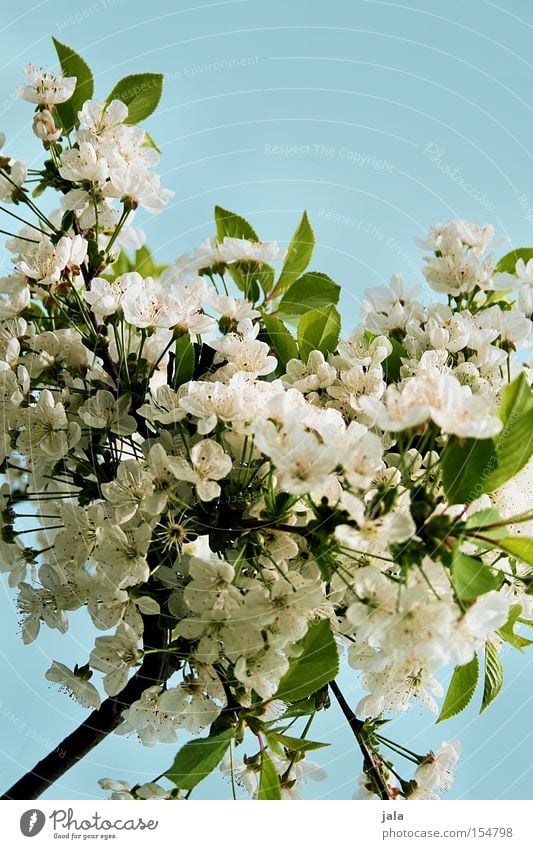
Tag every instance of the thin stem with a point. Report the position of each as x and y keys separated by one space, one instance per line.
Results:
x=25 y=199
x=399 y=750
x=95 y=205
x=512 y=520
x=118 y=228
x=27 y=223
x=294 y=755
x=370 y=765
x=16 y=236
x=232 y=770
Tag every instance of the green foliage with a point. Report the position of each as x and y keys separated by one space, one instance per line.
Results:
x=247 y=278
x=508 y=262
x=293 y=744
x=145 y=264
x=265 y=277
x=493 y=676
x=184 y=361
x=392 y=363
x=479 y=525
x=197 y=759
x=142 y=261
x=149 y=142
x=471 y=577
x=319 y=330
x=306 y=707
x=316 y=666
x=310 y=291
x=298 y=256
x=73 y=65
x=507 y=633
x=461 y=689
x=280 y=340
x=514 y=443
x=466 y=464
x=519 y=547
x=269 y=783
x=471 y=467
x=140 y=92
x=233 y=225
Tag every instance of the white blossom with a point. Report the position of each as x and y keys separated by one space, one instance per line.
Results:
x=45 y=87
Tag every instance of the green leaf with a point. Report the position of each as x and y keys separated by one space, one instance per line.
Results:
x=471 y=467
x=145 y=264
x=319 y=330
x=295 y=744
x=392 y=363
x=305 y=707
x=240 y=279
x=519 y=547
x=184 y=361
x=471 y=577
x=317 y=665
x=493 y=676
x=484 y=518
x=507 y=632
x=140 y=92
x=466 y=464
x=73 y=65
x=269 y=783
x=298 y=256
x=233 y=225
x=310 y=291
x=197 y=759
x=478 y=524
x=249 y=277
x=514 y=443
x=149 y=142
x=38 y=190
x=280 y=340
x=508 y=262
x=265 y=277
x=462 y=688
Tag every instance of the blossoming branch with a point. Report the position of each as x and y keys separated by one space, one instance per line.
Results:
x=235 y=492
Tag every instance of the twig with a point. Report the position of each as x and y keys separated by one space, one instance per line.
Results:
x=369 y=761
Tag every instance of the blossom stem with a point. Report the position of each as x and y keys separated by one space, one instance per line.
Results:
x=18 y=217
x=370 y=765
x=294 y=755
x=22 y=238
x=118 y=228
x=37 y=530
x=232 y=770
x=95 y=206
x=512 y=520
x=25 y=199
x=399 y=749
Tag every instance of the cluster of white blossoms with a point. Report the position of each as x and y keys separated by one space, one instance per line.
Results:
x=235 y=504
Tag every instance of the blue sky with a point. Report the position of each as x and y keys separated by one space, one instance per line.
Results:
x=379 y=118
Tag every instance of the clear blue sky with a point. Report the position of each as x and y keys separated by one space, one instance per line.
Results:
x=379 y=118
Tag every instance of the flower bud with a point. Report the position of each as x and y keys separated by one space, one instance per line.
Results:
x=44 y=127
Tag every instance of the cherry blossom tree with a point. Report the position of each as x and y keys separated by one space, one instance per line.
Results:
x=238 y=494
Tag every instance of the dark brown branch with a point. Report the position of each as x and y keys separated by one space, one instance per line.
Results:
x=99 y=724
x=370 y=766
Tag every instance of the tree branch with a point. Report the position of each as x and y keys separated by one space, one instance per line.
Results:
x=98 y=724
x=370 y=765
